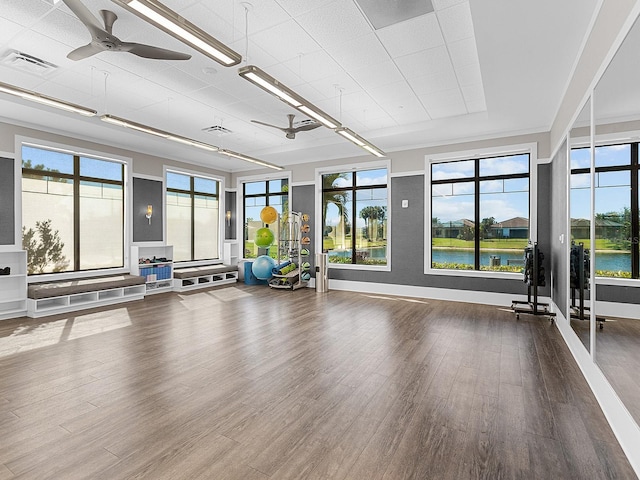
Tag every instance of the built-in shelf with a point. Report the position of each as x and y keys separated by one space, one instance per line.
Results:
x=13 y=287
x=158 y=273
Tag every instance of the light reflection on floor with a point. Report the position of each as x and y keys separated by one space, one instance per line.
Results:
x=211 y=298
x=31 y=337
x=398 y=299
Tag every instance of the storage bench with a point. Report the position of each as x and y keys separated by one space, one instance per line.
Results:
x=190 y=278
x=48 y=298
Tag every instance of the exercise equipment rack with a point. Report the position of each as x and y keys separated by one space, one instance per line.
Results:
x=534 y=278
x=579 y=265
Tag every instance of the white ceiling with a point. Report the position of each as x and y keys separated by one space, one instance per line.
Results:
x=470 y=69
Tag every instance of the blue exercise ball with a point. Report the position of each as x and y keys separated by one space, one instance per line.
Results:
x=262 y=267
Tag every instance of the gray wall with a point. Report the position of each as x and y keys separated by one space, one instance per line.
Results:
x=230 y=206
x=303 y=200
x=558 y=221
x=147 y=192
x=7 y=202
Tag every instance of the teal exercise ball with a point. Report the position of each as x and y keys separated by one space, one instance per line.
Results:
x=262 y=267
x=264 y=237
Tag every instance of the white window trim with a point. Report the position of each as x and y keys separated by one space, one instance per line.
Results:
x=17 y=204
x=240 y=200
x=128 y=192
x=221 y=210
x=318 y=204
x=532 y=150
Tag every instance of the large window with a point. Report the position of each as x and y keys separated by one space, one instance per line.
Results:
x=616 y=207
x=480 y=213
x=193 y=216
x=354 y=216
x=257 y=195
x=72 y=211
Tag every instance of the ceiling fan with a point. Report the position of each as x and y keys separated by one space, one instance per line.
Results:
x=291 y=131
x=103 y=40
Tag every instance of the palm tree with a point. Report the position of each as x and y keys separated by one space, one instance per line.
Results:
x=372 y=215
x=339 y=198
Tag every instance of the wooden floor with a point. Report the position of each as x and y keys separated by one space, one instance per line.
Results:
x=250 y=383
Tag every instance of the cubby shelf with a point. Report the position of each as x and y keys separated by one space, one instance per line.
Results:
x=13 y=287
x=159 y=274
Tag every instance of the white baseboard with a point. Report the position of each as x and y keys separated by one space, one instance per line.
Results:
x=467 y=296
x=623 y=310
x=624 y=427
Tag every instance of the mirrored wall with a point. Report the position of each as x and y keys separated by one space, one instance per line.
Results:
x=616 y=215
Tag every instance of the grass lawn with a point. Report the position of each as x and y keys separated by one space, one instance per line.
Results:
x=493 y=244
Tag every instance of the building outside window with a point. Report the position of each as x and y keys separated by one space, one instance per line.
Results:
x=72 y=210
x=256 y=196
x=480 y=213
x=355 y=216
x=193 y=216
x=616 y=207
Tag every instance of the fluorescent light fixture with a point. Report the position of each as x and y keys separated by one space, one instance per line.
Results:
x=247 y=158
x=170 y=22
x=45 y=100
x=361 y=142
x=265 y=81
x=121 y=122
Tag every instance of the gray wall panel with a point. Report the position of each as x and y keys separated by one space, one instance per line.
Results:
x=7 y=202
x=147 y=192
x=230 y=206
x=558 y=221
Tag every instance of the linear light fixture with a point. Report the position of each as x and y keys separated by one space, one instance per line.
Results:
x=247 y=158
x=361 y=142
x=45 y=100
x=170 y=22
x=121 y=122
x=265 y=81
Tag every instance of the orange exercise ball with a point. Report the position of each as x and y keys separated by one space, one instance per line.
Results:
x=268 y=215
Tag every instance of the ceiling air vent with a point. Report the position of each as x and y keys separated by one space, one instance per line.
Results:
x=217 y=129
x=28 y=63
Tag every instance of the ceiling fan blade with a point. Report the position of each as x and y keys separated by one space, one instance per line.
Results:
x=307 y=127
x=83 y=52
x=148 y=51
x=85 y=16
x=109 y=19
x=269 y=125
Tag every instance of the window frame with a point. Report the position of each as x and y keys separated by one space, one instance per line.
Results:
x=127 y=193
x=221 y=219
x=354 y=167
x=240 y=204
x=529 y=148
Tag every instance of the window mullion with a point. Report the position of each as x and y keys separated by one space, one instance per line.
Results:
x=477 y=216
x=76 y=212
x=635 y=227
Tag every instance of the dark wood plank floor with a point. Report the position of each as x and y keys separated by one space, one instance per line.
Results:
x=250 y=383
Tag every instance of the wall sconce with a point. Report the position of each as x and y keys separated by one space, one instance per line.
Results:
x=228 y=217
x=149 y=213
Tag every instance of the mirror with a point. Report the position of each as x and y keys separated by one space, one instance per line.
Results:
x=579 y=225
x=617 y=136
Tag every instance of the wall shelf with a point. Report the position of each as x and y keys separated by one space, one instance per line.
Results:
x=158 y=274
x=13 y=287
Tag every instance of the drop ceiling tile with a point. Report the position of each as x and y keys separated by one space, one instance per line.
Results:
x=473 y=94
x=330 y=86
x=410 y=113
x=393 y=95
x=213 y=97
x=377 y=75
x=442 y=4
x=335 y=23
x=359 y=52
x=444 y=104
x=430 y=84
x=262 y=15
x=19 y=79
x=208 y=18
x=314 y=66
x=23 y=12
x=177 y=80
x=286 y=41
x=299 y=7
x=426 y=62
x=463 y=52
x=456 y=22
x=8 y=30
x=469 y=75
x=408 y=37
x=64 y=28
